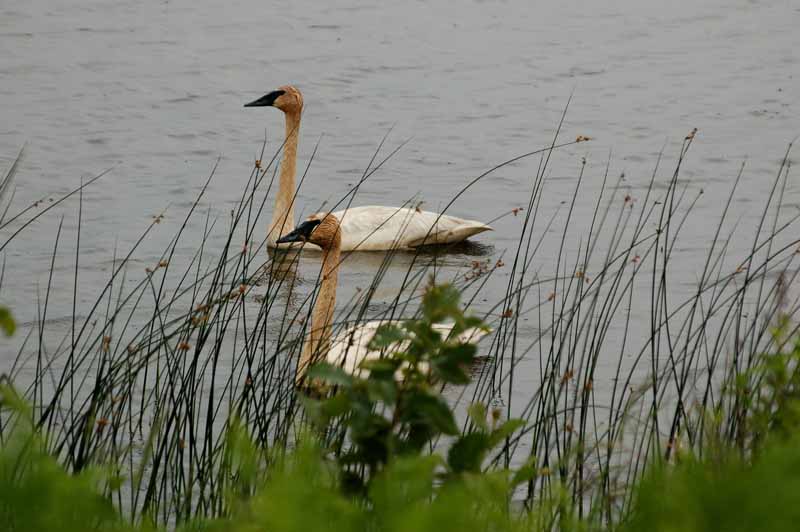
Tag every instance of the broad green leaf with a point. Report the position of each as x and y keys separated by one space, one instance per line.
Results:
x=450 y=373
x=336 y=406
x=477 y=413
x=459 y=353
x=525 y=473
x=7 y=321
x=115 y=482
x=380 y=364
x=441 y=302
x=432 y=411
x=331 y=374
x=452 y=362
x=313 y=408
x=382 y=390
x=425 y=340
x=10 y=399
x=381 y=369
x=386 y=335
x=321 y=412
x=505 y=430
x=405 y=482
x=468 y=452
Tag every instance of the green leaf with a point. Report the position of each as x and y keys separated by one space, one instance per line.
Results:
x=321 y=412
x=441 y=302
x=11 y=400
x=115 y=482
x=386 y=335
x=425 y=341
x=477 y=413
x=7 y=321
x=505 y=430
x=451 y=374
x=371 y=433
x=468 y=452
x=525 y=473
x=403 y=486
x=432 y=411
x=459 y=353
x=380 y=365
x=336 y=406
x=331 y=374
x=453 y=360
x=382 y=390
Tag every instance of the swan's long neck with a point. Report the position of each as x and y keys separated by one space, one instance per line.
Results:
x=318 y=341
x=283 y=214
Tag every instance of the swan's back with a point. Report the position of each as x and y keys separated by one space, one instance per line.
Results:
x=382 y=228
x=350 y=347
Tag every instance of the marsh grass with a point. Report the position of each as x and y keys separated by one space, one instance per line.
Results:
x=148 y=379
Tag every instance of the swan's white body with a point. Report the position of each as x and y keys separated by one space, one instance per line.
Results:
x=350 y=347
x=373 y=228
x=369 y=228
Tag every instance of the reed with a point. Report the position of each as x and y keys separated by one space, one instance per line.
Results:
x=148 y=379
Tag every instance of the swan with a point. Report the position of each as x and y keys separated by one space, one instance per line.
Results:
x=349 y=348
x=364 y=228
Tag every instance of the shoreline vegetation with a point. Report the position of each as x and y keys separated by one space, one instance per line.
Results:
x=170 y=401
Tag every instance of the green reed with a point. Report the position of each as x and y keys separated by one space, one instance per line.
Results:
x=148 y=379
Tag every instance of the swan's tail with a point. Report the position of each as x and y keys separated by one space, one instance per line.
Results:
x=452 y=233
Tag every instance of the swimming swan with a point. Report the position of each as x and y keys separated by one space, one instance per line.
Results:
x=349 y=348
x=363 y=228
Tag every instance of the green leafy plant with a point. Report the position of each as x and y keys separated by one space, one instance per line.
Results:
x=36 y=493
x=7 y=321
x=394 y=409
x=725 y=492
x=767 y=396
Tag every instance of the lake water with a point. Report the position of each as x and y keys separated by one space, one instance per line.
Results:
x=154 y=92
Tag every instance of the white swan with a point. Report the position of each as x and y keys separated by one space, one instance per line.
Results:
x=363 y=228
x=349 y=348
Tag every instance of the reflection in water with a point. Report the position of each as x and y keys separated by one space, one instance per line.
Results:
x=282 y=266
x=454 y=255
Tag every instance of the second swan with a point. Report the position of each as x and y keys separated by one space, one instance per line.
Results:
x=350 y=347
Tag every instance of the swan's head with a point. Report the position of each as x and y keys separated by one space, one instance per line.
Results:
x=320 y=229
x=287 y=98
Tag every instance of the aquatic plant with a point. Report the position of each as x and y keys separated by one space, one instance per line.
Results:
x=149 y=379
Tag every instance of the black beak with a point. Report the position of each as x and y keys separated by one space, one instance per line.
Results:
x=267 y=100
x=301 y=233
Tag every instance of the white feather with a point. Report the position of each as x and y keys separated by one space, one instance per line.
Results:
x=350 y=347
x=374 y=228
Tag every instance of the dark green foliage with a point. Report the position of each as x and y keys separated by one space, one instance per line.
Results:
x=388 y=481
x=468 y=452
x=302 y=494
x=752 y=483
x=729 y=494
x=768 y=395
x=36 y=494
x=396 y=410
x=7 y=321
x=391 y=423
